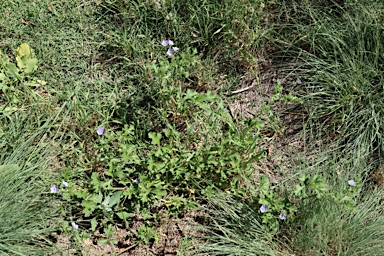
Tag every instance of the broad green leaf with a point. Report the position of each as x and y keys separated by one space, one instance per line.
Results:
x=23 y=50
x=156 y=137
x=30 y=65
x=144 y=195
x=23 y=54
x=115 y=198
x=106 y=203
x=12 y=70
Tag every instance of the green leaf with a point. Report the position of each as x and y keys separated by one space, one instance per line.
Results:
x=115 y=198
x=23 y=54
x=129 y=192
x=23 y=51
x=102 y=241
x=298 y=189
x=12 y=70
x=263 y=202
x=81 y=194
x=159 y=192
x=264 y=184
x=30 y=65
x=89 y=207
x=303 y=178
x=156 y=137
x=93 y=224
x=124 y=215
x=97 y=198
x=145 y=214
x=144 y=195
x=95 y=181
x=106 y=203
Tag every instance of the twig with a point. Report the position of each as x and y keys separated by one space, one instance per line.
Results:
x=181 y=230
x=126 y=249
x=242 y=90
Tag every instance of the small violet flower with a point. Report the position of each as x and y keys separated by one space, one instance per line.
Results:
x=74 y=225
x=100 y=130
x=64 y=184
x=282 y=216
x=352 y=183
x=54 y=188
x=137 y=180
x=263 y=208
x=298 y=80
x=172 y=50
x=167 y=42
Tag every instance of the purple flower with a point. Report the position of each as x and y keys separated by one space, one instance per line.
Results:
x=137 y=180
x=172 y=50
x=54 y=188
x=352 y=183
x=167 y=42
x=282 y=216
x=298 y=80
x=74 y=225
x=100 y=130
x=64 y=184
x=263 y=208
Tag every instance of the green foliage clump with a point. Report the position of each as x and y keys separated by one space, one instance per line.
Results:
x=15 y=79
x=174 y=166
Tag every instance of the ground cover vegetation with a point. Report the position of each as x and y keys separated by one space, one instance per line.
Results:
x=118 y=123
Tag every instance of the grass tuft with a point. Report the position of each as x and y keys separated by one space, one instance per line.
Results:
x=339 y=52
x=325 y=228
x=234 y=228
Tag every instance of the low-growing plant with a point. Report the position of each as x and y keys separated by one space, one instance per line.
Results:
x=198 y=149
x=15 y=79
x=267 y=108
x=279 y=204
x=173 y=167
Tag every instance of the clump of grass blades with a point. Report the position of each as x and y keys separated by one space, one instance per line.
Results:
x=234 y=229
x=340 y=51
x=326 y=228
x=24 y=213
